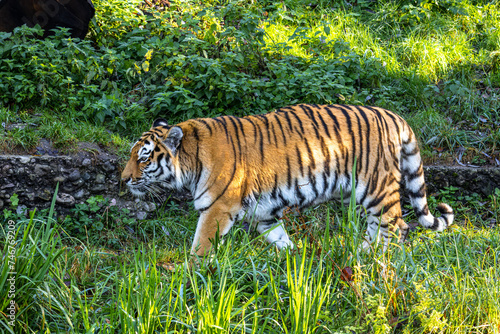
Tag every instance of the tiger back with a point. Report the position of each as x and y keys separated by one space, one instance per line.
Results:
x=255 y=167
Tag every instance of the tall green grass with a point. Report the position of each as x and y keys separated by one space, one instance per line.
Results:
x=434 y=283
x=430 y=51
x=34 y=251
x=441 y=56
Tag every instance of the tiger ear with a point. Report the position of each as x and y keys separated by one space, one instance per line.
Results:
x=173 y=139
x=160 y=122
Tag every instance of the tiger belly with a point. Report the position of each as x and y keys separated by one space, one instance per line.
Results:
x=264 y=210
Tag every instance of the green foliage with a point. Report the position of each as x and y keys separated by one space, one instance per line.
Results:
x=29 y=255
x=239 y=57
x=99 y=221
x=167 y=62
x=14 y=212
x=62 y=74
x=434 y=283
x=377 y=318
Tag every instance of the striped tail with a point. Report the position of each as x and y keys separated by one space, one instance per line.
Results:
x=412 y=169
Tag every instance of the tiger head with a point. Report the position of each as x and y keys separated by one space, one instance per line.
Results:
x=154 y=160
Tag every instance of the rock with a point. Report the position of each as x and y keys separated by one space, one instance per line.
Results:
x=141 y=215
x=44 y=195
x=74 y=175
x=145 y=206
x=153 y=206
x=1 y=204
x=41 y=170
x=65 y=199
x=108 y=167
x=80 y=194
x=460 y=180
x=79 y=176
x=129 y=205
x=68 y=188
x=100 y=178
x=78 y=184
x=467 y=180
x=24 y=160
x=98 y=188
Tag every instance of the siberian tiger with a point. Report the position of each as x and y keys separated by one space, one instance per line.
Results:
x=255 y=167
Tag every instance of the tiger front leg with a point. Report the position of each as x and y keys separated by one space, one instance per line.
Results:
x=275 y=234
x=215 y=220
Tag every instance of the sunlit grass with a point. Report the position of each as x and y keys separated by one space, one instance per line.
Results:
x=434 y=283
x=429 y=52
x=334 y=27
x=24 y=130
x=440 y=62
x=434 y=55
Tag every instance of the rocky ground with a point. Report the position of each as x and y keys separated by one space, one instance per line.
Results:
x=93 y=170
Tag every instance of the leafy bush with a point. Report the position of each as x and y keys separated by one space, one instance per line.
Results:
x=63 y=74
x=100 y=221
x=171 y=64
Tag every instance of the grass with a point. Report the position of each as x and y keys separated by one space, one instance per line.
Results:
x=23 y=132
x=434 y=283
x=440 y=61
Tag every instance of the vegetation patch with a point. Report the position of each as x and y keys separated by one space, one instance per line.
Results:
x=433 y=283
x=436 y=63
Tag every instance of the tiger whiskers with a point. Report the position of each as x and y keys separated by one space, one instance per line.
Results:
x=155 y=192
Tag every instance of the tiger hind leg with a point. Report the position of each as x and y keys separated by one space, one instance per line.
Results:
x=373 y=232
x=403 y=229
x=384 y=224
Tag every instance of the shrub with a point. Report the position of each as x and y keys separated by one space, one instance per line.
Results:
x=172 y=64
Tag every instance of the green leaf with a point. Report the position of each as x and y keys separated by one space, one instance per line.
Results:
x=14 y=200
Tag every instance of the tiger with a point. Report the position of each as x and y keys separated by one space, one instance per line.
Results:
x=254 y=168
